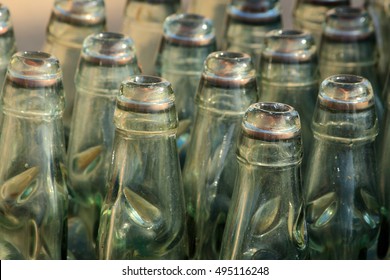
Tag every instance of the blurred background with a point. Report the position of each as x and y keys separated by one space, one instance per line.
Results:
x=31 y=17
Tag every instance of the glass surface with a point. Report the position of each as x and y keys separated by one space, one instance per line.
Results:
x=7 y=41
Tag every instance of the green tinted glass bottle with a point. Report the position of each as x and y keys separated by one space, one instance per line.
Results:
x=248 y=22
x=227 y=87
x=188 y=40
x=143 y=22
x=310 y=15
x=348 y=46
x=143 y=215
x=342 y=204
x=70 y=22
x=266 y=219
x=289 y=74
x=7 y=41
x=33 y=192
x=106 y=60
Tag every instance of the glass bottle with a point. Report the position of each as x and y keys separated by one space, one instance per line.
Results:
x=227 y=87
x=348 y=46
x=247 y=24
x=310 y=15
x=289 y=74
x=143 y=22
x=33 y=192
x=266 y=219
x=188 y=40
x=70 y=22
x=106 y=60
x=342 y=205
x=214 y=10
x=7 y=41
x=143 y=215
x=380 y=13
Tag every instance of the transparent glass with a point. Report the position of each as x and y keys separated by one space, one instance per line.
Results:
x=289 y=74
x=106 y=60
x=7 y=41
x=380 y=13
x=247 y=24
x=143 y=22
x=143 y=215
x=266 y=219
x=33 y=192
x=342 y=202
x=214 y=10
x=70 y=22
x=227 y=87
x=188 y=40
x=310 y=15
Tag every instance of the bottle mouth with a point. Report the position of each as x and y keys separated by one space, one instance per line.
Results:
x=271 y=121
x=31 y=69
x=229 y=68
x=330 y=3
x=255 y=12
x=346 y=93
x=80 y=12
x=348 y=24
x=108 y=48
x=145 y=94
x=289 y=46
x=5 y=20
x=189 y=30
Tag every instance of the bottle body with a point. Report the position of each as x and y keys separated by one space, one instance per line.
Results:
x=266 y=219
x=7 y=41
x=342 y=202
x=227 y=87
x=143 y=213
x=106 y=60
x=33 y=192
x=69 y=24
x=143 y=22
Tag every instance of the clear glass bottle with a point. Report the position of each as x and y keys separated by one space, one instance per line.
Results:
x=33 y=192
x=7 y=41
x=106 y=60
x=143 y=215
x=70 y=22
x=228 y=86
x=380 y=13
x=214 y=10
x=310 y=15
x=188 y=40
x=342 y=202
x=143 y=22
x=247 y=24
x=289 y=74
x=348 y=46
x=266 y=219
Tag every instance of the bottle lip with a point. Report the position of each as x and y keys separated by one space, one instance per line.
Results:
x=145 y=94
x=5 y=20
x=108 y=48
x=257 y=13
x=331 y=3
x=346 y=93
x=228 y=68
x=289 y=46
x=271 y=121
x=348 y=24
x=189 y=30
x=32 y=69
x=80 y=12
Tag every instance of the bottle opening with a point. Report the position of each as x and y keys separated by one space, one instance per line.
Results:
x=291 y=33
x=346 y=79
x=108 y=48
x=331 y=3
x=348 y=12
x=80 y=12
x=256 y=12
x=189 y=29
x=271 y=121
